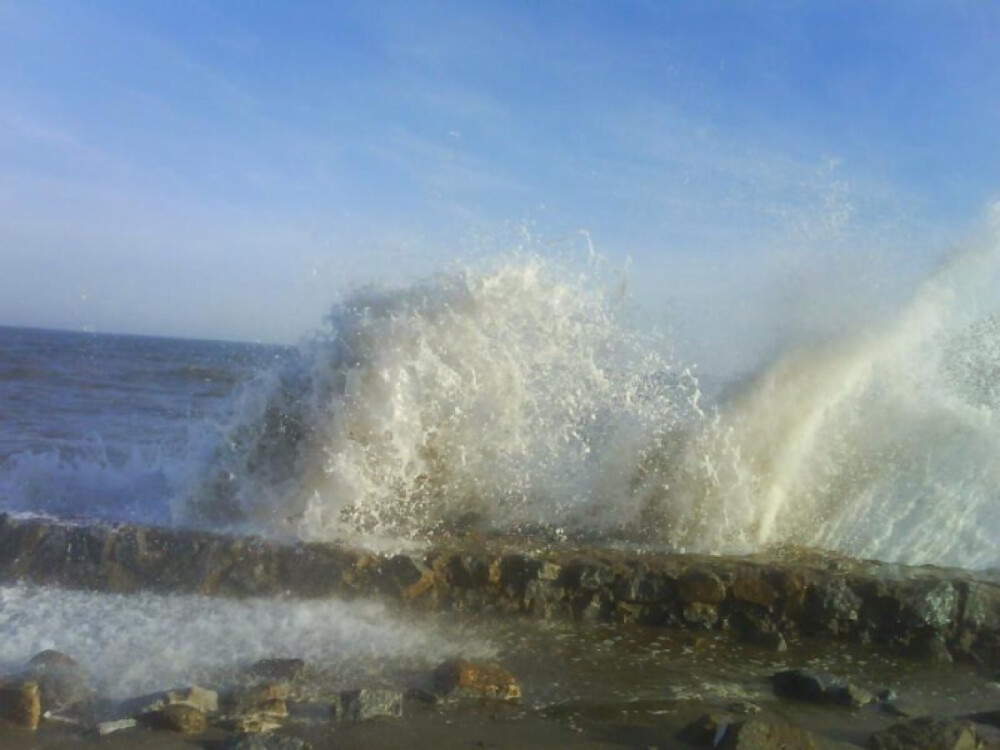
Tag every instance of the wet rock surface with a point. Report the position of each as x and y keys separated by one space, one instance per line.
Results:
x=176 y=717
x=609 y=649
x=458 y=679
x=767 y=734
x=20 y=703
x=820 y=687
x=928 y=733
x=936 y=613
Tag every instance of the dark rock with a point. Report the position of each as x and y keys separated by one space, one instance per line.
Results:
x=928 y=603
x=767 y=734
x=644 y=586
x=982 y=606
x=20 y=703
x=819 y=687
x=833 y=606
x=361 y=705
x=587 y=575
x=257 y=741
x=458 y=678
x=421 y=695
x=467 y=571
x=927 y=733
x=886 y=695
x=985 y=717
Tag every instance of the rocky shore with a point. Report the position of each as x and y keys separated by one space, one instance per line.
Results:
x=795 y=649
x=938 y=613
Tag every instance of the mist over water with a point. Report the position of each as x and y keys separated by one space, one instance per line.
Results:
x=519 y=395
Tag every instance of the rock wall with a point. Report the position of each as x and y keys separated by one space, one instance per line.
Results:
x=935 y=612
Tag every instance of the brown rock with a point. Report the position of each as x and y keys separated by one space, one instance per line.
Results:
x=267 y=700
x=458 y=678
x=927 y=733
x=177 y=717
x=20 y=703
x=749 y=585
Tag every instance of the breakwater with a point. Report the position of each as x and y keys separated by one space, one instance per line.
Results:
x=765 y=597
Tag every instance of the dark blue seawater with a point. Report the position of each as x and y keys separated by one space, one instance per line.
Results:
x=109 y=426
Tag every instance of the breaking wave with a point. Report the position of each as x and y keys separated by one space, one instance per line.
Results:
x=520 y=397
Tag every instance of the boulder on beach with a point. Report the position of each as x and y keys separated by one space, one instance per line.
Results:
x=819 y=687
x=62 y=682
x=177 y=717
x=724 y=730
x=459 y=678
x=767 y=734
x=928 y=733
x=265 y=698
x=20 y=703
x=205 y=700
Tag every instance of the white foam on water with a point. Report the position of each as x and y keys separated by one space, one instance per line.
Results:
x=141 y=643
x=519 y=394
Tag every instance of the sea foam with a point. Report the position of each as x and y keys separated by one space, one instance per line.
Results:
x=519 y=396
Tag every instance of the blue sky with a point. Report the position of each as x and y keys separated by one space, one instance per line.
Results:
x=224 y=169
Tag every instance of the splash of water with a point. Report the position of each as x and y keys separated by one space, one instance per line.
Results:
x=516 y=395
x=519 y=395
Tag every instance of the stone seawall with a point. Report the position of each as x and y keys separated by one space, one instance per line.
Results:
x=932 y=611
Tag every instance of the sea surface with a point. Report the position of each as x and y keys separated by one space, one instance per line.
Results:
x=107 y=426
